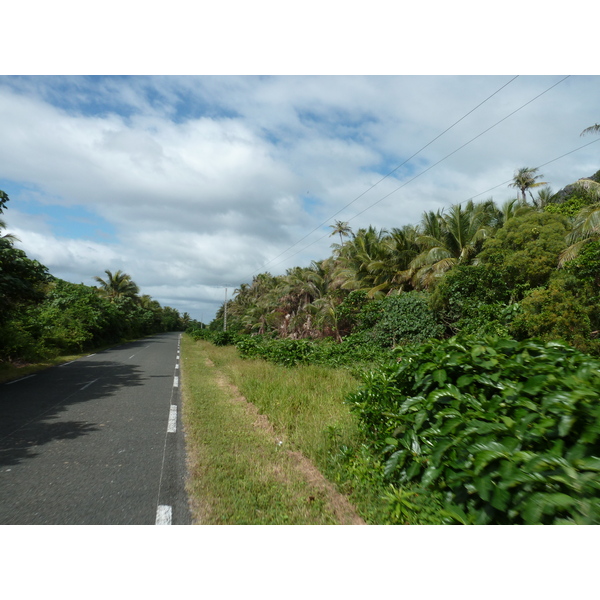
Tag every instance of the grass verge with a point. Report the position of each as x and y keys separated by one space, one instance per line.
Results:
x=9 y=371
x=247 y=469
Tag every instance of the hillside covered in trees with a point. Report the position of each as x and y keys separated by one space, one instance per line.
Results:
x=526 y=269
x=42 y=316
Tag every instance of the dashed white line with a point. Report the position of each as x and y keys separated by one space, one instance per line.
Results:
x=175 y=382
x=87 y=385
x=172 y=426
x=17 y=380
x=164 y=515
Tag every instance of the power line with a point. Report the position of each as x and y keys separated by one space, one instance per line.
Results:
x=538 y=167
x=481 y=193
x=437 y=163
x=492 y=188
x=459 y=148
x=390 y=173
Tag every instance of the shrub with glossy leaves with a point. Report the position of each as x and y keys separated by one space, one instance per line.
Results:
x=509 y=431
x=406 y=318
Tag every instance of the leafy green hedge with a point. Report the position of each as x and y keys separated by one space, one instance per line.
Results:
x=406 y=319
x=355 y=351
x=508 y=431
x=218 y=338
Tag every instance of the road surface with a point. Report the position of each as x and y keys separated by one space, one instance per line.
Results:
x=96 y=441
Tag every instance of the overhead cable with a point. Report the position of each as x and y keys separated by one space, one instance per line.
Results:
x=431 y=167
x=390 y=173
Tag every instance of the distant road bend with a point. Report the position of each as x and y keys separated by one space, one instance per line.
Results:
x=96 y=441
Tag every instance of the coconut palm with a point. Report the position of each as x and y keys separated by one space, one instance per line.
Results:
x=117 y=285
x=357 y=257
x=342 y=229
x=586 y=225
x=544 y=197
x=390 y=270
x=525 y=179
x=593 y=129
x=11 y=237
x=452 y=238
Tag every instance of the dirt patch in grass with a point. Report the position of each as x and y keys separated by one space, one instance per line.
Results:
x=337 y=502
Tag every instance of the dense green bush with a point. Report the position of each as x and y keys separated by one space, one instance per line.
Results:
x=224 y=338
x=526 y=249
x=21 y=279
x=282 y=351
x=18 y=344
x=569 y=207
x=218 y=338
x=561 y=311
x=406 y=318
x=355 y=352
x=198 y=333
x=586 y=266
x=472 y=299
x=508 y=431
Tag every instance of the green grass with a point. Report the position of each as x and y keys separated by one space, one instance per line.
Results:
x=9 y=371
x=305 y=403
x=240 y=473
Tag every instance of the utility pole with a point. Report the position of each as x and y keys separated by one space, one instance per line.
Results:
x=225 y=315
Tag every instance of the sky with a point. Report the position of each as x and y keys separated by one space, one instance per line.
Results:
x=197 y=147
x=194 y=184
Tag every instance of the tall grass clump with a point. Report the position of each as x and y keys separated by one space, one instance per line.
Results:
x=305 y=404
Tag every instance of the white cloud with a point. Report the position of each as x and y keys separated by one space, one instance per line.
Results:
x=206 y=179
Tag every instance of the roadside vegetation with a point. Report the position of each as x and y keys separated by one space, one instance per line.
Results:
x=472 y=340
x=246 y=468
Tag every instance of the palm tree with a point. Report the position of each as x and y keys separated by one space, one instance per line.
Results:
x=357 y=257
x=593 y=129
x=451 y=239
x=586 y=225
x=525 y=179
x=11 y=237
x=341 y=228
x=390 y=270
x=544 y=197
x=119 y=285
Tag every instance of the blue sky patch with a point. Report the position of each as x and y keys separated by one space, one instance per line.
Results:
x=73 y=222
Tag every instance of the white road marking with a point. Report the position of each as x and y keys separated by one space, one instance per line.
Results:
x=87 y=385
x=164 y=515
x=22 y=379
x=67 y=363
x=172 y=426
x=91 y=355
x=175 y=382
x=177 y=365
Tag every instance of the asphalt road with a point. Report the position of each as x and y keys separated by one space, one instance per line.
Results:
x=96 y=441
